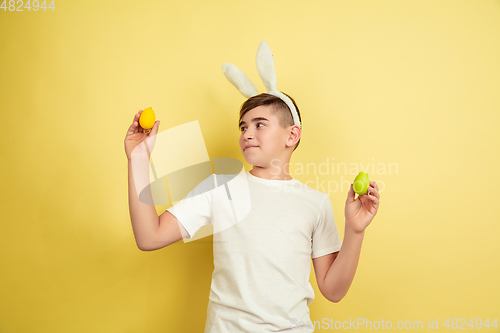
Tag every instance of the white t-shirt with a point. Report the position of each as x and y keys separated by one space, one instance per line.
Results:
x=262 y=263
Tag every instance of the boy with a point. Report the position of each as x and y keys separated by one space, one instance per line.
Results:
x=262 y=262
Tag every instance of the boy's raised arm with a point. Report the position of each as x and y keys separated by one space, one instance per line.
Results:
x=151 y=231
x=144 y=218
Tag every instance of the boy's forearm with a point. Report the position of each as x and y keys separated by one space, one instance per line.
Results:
x=145 y=220
x=339 y=277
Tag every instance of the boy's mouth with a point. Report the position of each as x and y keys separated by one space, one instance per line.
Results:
x=249 y=147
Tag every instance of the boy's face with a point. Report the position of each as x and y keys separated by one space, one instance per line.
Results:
x=262 y=139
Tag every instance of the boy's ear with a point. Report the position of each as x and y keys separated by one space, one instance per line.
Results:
x=295 y=133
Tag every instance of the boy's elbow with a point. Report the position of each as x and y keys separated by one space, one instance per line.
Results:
x=145 y=247
x=334 y=299
x=151 y=246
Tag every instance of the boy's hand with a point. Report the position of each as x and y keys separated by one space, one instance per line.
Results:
x=360 y=212
x=136 y=135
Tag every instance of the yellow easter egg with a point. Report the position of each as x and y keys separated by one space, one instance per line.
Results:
x=147 y=118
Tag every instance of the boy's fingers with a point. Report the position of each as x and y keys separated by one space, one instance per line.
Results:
x=154 y=130
x=135 y=121
x=351 y=194
x=132 y=129
x=365 y=199
x=373 y=191
x=375 y=200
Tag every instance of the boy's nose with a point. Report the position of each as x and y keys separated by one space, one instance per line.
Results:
x=248 y=135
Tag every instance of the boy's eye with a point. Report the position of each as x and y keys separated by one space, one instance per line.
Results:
x=242 y=128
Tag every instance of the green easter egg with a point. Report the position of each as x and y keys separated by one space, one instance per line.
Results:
x=361 y=183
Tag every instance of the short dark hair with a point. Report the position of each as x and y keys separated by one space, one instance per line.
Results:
x=279 y=109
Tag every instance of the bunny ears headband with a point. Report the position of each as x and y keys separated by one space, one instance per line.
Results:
x=265 y=67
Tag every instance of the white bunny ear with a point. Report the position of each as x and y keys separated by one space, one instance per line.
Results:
x=265 y=66
x=239 y=80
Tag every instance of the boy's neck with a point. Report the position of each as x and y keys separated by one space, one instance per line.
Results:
x=274 y=173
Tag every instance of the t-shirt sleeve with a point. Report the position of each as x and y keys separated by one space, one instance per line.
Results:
x=325 y=238
x=195 y=210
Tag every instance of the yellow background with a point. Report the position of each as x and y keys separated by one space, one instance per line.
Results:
x=415 y=83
